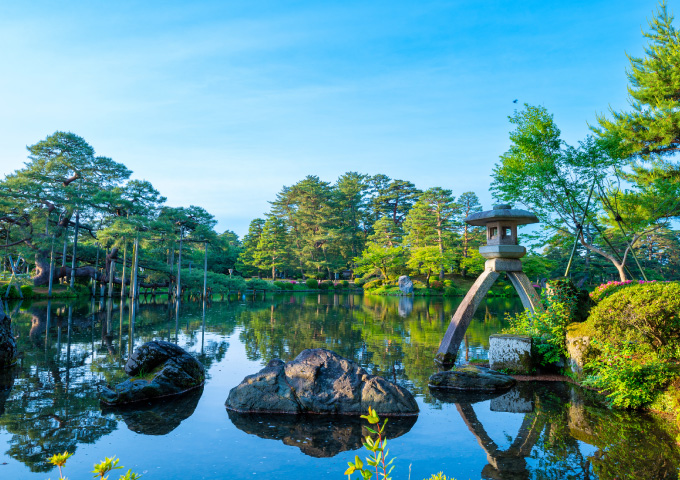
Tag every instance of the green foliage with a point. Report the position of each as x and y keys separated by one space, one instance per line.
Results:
x=439 y=476
x=648 y=314
x=259 y=284
x=377 y=459
x=547 y=328
x=378 y=452
x=284 y=285
x=631 y=374
x=452 y=291
x=652 y=127
x=101 y=469
x=344 y=283
x=312 y=283
x=27 y=291
x=638 y=338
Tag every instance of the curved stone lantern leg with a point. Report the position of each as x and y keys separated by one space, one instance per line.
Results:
x=448 y=348
x=509 y=463
x=527 y=293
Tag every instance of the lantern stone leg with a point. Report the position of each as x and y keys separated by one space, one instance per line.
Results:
x=448 y=348
x=527 y=293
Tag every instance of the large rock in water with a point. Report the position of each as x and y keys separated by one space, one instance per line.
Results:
x=471 y=378
x=319 y=381
x=159 y=369
x=8 y=345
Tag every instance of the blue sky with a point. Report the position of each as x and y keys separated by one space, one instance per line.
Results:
x=220 y=104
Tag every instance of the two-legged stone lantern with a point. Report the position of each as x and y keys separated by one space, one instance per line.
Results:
x=502 y=253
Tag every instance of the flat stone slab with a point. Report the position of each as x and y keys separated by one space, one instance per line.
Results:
x=319 y=381
x=471 y=378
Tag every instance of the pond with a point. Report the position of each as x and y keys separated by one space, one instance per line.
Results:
x=49 y=401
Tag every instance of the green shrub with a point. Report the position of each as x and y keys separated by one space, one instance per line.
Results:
x=344 y=284
x=451 y=291
x=646 y=313
x=548 y=330
x=637 y=330
x=312 y=283
x=373 y=284
x=259 y=284
x=13 y=291
x=325 y=286
x=631 y=374
x=27 y=291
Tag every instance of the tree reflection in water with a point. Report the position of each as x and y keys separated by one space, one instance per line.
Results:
x=51 y=396
x=558 y=420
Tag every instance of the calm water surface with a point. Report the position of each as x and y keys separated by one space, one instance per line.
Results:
x=49 y=402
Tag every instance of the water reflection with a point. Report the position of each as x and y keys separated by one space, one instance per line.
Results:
x=160 y=417
x=316 y=435
x=69 y=350
x=557 y=421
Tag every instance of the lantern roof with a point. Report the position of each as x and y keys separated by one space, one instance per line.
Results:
x=500 y=213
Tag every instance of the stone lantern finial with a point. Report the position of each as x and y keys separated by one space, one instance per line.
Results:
x=503 y=255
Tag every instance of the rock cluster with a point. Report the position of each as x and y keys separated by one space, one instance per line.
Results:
x=319 y=381
x=159 y=369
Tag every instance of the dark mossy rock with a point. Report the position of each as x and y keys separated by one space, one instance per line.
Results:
x=159 y=369
x=157 y=418
x=471 y=378
x=319 y=381
x=8 y=345
x=318 y=436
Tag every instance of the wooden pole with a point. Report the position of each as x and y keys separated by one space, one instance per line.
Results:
x=179 y=266
x=122 y=283
x=134 y=286
x=49 y=287
x=205 y=270
x=112 y=268
x=75 y=249
x=94 y=280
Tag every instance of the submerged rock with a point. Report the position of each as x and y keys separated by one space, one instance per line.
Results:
x=159 y=369
x=471 y=378
x=8 y=345
x=319 y=381
x=316 y=435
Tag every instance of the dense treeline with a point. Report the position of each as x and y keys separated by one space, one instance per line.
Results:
x=362 y=224
x=86 y=216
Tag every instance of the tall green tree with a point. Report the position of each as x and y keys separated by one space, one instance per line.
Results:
x=554 y=180
x=430 y=227
x=247 y=262
x=652 y=127
x=272 y=247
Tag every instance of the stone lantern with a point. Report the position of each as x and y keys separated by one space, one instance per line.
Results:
x=503 y=255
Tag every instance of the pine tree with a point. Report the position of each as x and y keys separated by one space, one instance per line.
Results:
x=653 y=126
